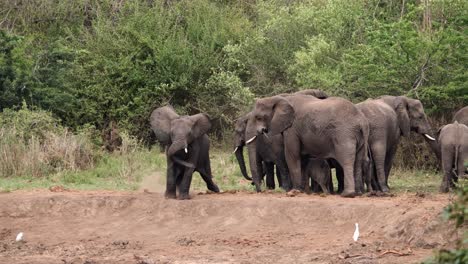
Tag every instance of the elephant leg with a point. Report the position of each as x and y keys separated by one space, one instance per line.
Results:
x=184 y=187
x=283 y=173
x=324 y=186
x=389 y=161
x=378 y=156
x=307 y=181
x=171 y=175
x=447 y=164
x=346 y=155
x=373 y=177
x=278 y=176
x=270 y=175
x=358 y=164
x=460 y=165
x=293 y=159
x=339 y=177
x=206 y=175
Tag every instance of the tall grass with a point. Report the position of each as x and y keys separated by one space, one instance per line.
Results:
x=20 y=156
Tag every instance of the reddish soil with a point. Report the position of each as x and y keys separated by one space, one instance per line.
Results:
x=140 y=227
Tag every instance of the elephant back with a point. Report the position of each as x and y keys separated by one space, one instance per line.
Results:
x=462 y=116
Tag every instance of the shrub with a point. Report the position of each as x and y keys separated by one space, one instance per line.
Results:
x=32 y=143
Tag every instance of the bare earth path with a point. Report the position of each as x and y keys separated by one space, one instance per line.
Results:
x=139 y=227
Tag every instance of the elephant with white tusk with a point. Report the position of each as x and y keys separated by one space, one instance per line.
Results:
x=391 y=117
x=187 y=149
x=331 y=128
x=264 y=154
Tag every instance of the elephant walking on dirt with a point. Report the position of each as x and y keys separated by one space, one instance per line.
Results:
x=390 y=117
x=187 y=149
x=321 y=128
x=453 y=141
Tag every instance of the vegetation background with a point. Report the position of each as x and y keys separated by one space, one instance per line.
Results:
x=69 y=68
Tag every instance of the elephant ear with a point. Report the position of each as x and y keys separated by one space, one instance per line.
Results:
x=241 y=122
x=160 y=121
x=283 y=115
x=201 y=124
x=401 y=108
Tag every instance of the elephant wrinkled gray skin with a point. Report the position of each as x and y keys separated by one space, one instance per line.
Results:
x=239 y=143
x=187 y=149
x=317 y=175
x=390 y=117
x=328 y=128
x=461 y=116
x=262 y=151
x=453 y=140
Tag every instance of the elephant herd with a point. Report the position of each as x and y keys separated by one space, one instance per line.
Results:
x=303 y=135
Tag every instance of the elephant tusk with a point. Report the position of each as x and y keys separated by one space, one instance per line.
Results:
x=429 y=137
x=235 y=150
x=250 y=140
x=186 y=150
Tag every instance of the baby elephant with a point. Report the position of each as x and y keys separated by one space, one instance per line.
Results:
x=317 y=170
x=453 y=141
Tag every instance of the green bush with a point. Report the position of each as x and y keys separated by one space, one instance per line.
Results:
x=90 y=62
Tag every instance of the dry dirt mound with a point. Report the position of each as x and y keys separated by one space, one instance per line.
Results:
x=117 y=227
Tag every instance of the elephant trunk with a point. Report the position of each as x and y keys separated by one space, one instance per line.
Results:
x=434 y=145
x=240 y=159
x=176 y=146
x=255 y=166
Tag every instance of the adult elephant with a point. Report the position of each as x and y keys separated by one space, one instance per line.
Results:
x=327 y=128
x=187 y=149
x=453 y=140
x=389 y=118
x=264 y=154
x=461 y=116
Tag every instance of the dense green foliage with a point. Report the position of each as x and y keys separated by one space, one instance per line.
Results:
x=93 y=61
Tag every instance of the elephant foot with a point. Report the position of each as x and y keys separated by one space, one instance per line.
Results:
x=444 y=188
x=385 y=189
x=184 y=196
x=348 y=194
x=170 y=195
x=293 y=193
x=214 y=188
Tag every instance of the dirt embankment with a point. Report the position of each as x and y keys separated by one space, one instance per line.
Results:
x=119 y=227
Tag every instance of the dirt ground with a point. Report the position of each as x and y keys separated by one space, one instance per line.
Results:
x=63 y=226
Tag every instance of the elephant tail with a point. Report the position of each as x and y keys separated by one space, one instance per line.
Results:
x=367 y=164
x=457 y=149
x=365 y=137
